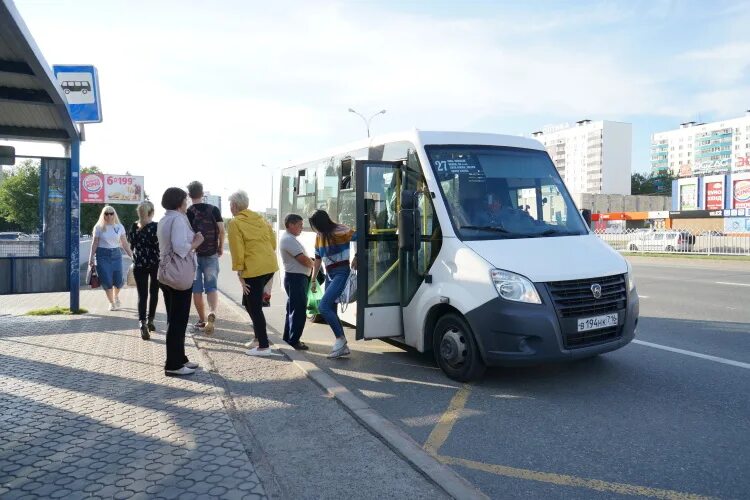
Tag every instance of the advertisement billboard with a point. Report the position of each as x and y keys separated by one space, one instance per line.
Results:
x=111 y=189
x=688 y=197
x=714 y=195
x=92 y=188
x=741 y=193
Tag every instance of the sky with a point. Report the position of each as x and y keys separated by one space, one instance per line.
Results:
x=215 y=90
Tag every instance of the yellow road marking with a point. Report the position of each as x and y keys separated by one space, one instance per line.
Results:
x=443 y=428
x=564 y=480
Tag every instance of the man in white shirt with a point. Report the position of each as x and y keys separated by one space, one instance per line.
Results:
x=297 y=267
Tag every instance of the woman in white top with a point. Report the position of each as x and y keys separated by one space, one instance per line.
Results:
x=176 y=236
x=109 y=237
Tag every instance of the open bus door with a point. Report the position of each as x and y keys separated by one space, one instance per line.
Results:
x=378 y=192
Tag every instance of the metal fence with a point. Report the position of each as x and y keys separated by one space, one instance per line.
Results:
x=677 y=241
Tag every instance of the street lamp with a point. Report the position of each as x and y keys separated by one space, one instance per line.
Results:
x=271 y=168
x=367 y=120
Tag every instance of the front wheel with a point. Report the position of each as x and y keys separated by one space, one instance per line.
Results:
x=456 y=350
x=633 y=248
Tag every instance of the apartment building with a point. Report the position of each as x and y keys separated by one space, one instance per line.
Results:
x=694 y=149
x=591 y=156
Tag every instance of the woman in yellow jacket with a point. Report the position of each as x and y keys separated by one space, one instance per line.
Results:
x=252 y=244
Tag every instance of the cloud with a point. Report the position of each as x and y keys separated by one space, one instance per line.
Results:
x=194 y=89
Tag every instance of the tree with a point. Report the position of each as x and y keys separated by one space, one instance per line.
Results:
x=90 y=211
x=19 y=196
x=652 y=184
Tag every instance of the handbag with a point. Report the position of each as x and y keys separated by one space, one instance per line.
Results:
x=92 y=278
x=175 y=271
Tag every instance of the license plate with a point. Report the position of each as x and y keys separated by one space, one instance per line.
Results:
x=597 y=322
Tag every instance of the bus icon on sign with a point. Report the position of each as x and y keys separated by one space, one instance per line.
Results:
x=71 y=86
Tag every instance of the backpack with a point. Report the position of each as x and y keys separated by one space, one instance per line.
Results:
x=205 y=223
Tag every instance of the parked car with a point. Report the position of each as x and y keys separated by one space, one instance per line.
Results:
x=712 y=233
x=662 y=241
x=12 y=235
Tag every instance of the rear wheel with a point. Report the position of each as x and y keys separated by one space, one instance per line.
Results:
x=456 y=350
x=670 y=248
x=633 y=248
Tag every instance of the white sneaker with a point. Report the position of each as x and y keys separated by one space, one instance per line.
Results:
x=251 y=344
x=118 y=304
x=179 y=373
x=192 y=365
x=112 y=307
x=339 y=348
x=257 y=351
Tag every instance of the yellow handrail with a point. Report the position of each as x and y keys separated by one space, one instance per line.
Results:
x=382 y=279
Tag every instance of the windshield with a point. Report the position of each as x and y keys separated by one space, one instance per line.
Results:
x=498 y=192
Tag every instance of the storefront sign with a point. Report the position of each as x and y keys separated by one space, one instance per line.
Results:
x=741 y=194
x=111 y=189
x=714 y=196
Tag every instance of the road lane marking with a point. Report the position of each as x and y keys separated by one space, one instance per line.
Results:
x=717 y=359
x=442 y=430
x=643 y=296
x=733 y=284
x=565 y=480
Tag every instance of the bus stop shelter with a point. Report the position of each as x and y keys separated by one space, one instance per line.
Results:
x=33 y=108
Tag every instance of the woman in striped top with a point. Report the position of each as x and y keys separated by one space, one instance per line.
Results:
x=332 y=249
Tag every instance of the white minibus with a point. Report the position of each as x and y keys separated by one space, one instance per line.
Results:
x=470 y=246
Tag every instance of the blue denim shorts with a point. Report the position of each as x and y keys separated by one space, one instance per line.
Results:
x=207 y=275
x=109 y=267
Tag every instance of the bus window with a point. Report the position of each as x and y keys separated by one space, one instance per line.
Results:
x=328 y=188
x=286 y=198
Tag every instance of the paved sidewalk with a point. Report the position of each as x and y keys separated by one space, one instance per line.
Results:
x=86 y=411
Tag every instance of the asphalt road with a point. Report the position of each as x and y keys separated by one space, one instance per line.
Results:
x=641 y=421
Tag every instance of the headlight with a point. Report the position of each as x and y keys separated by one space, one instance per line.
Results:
x=631 y=281
x=512 y=286
x=629 y=277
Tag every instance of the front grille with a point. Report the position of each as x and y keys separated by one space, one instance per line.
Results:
x=574 y=298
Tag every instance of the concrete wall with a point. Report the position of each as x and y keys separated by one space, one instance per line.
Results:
x=605 y=203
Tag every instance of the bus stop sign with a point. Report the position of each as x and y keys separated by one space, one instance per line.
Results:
x=80 y=85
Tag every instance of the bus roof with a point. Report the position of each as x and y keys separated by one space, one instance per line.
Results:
x=422 y=138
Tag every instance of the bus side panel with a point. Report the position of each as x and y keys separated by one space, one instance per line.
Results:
x=458 y=274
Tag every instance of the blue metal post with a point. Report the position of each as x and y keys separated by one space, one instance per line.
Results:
x=74 y=233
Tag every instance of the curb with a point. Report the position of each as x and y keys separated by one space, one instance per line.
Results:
x=404 y=445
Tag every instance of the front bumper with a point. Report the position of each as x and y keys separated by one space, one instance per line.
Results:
x=511 y=333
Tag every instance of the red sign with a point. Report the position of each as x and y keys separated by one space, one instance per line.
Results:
x=741 y=194
x=92 y=188
x=714 y=195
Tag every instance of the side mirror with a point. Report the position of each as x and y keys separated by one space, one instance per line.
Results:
x=586 y=214
x=407 y=221
x=7 y=155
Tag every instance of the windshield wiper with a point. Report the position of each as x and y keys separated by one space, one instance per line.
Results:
x=550 y=232
x=496 y=229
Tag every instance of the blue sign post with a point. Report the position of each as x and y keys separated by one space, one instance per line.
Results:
x=80 y=85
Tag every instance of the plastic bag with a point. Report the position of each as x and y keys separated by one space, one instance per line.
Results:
x=131 y=275
x=349 y=293
x=313 y=299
